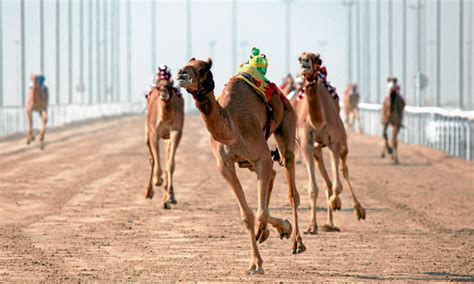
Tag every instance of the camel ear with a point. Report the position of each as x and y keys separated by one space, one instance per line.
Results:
x=192 y=59
x=209 y=62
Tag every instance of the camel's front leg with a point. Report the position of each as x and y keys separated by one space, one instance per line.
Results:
x=263 y=233
x=44 y=120
x=385 y=137
x=359 y=210
x=318 y=156
x=334 y=200
x=149 y=190
x=395 y=130
x=29 y=133
x=307 y=149
x=172 y=145
x=228 y=172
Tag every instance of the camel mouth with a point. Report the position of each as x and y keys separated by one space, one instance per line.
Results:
x=305 y=68
x=183 y=80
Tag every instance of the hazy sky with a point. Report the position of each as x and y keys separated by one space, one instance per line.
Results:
x=315 y=26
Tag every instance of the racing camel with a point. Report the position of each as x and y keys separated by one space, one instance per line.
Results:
x=392 y=114
x=237 y=121
x=165 y=120
x=37 y=101
x=320 y=125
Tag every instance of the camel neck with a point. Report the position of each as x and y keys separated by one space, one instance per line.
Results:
x=215 y=117
x=313 y=99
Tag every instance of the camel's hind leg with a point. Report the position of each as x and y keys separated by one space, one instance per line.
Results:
x=395 y=130
x=285 y=135
x=29 y=133
x=44 y=120
x=387 y=145
x=318 y=156
x=307 y=150
x=359 y=210
x=171 y=146
x=228 y=172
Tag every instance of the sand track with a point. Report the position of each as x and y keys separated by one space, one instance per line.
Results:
x=76 y=211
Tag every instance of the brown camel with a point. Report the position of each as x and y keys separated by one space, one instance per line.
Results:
x=165 y=120
x=237 y=122
x=320 y=125
x=351 y=107
x=37 y=101
x=392 y=114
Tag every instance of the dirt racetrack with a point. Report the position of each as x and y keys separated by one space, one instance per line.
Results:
x=76 y=211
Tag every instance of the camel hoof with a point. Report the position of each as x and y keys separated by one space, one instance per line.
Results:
x=335 y=202
x=330 y=229
x=312 y=229
x=159 y=182
x=360 y=212
x=262 y=235
x=172 y=199
x=298 y=246
x=255 y=271
x=149 y=193
x=166 y=206
x=286 y=234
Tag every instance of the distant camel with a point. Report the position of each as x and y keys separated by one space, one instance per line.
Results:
x=319 y=126
x=37 y=101
x=165 y=120
x=239 y=123
x=351 y=107
x=392 y=113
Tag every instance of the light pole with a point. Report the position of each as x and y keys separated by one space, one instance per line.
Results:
x=461 y=53
x=212 y=48
x=404 y=48
x=349 y=5
x=417 y=50
x=438 y=54
x=234 y=36
x=58 y=53
x=189 y=35
x=81 y=50
x=23 y=48
x=378 y=42
x=90 y=51
x=287 y=34
x=390 y=36
x=129 y=50
x=153 y=36
x=69 y=25
x=41 y=36
x=1 y=53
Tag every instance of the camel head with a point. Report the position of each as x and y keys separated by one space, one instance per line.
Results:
x=165 y=89
x=196 y=77
x=37 y=79
x=309 y=64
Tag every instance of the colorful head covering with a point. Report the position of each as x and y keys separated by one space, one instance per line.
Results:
x=164 y=73
x=258 y=60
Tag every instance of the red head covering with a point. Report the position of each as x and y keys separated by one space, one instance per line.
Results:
x=164 y=73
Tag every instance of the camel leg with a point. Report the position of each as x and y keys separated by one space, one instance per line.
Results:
x=385 y=137
x=357 y=120
x=395 y=130
x=307 y=150
x=334 y=200
x=44 y=120
x=263 y=233
x=29 y=133
x=149 y=190
x=157 y=171
x=285 y=136
x=359 y=210
x=318 y=156
x=229 y=174
x=172 y=145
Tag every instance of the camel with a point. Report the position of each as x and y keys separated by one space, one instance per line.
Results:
x=392 y=114
x=351 y=107
x=37 y=101
x=237 y=121
x=165 y=120
x=320 y=125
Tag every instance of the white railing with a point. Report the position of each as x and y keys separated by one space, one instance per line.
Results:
x=13 y=119
x=449 y=131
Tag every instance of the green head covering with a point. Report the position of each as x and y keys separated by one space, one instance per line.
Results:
x=258 y=60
